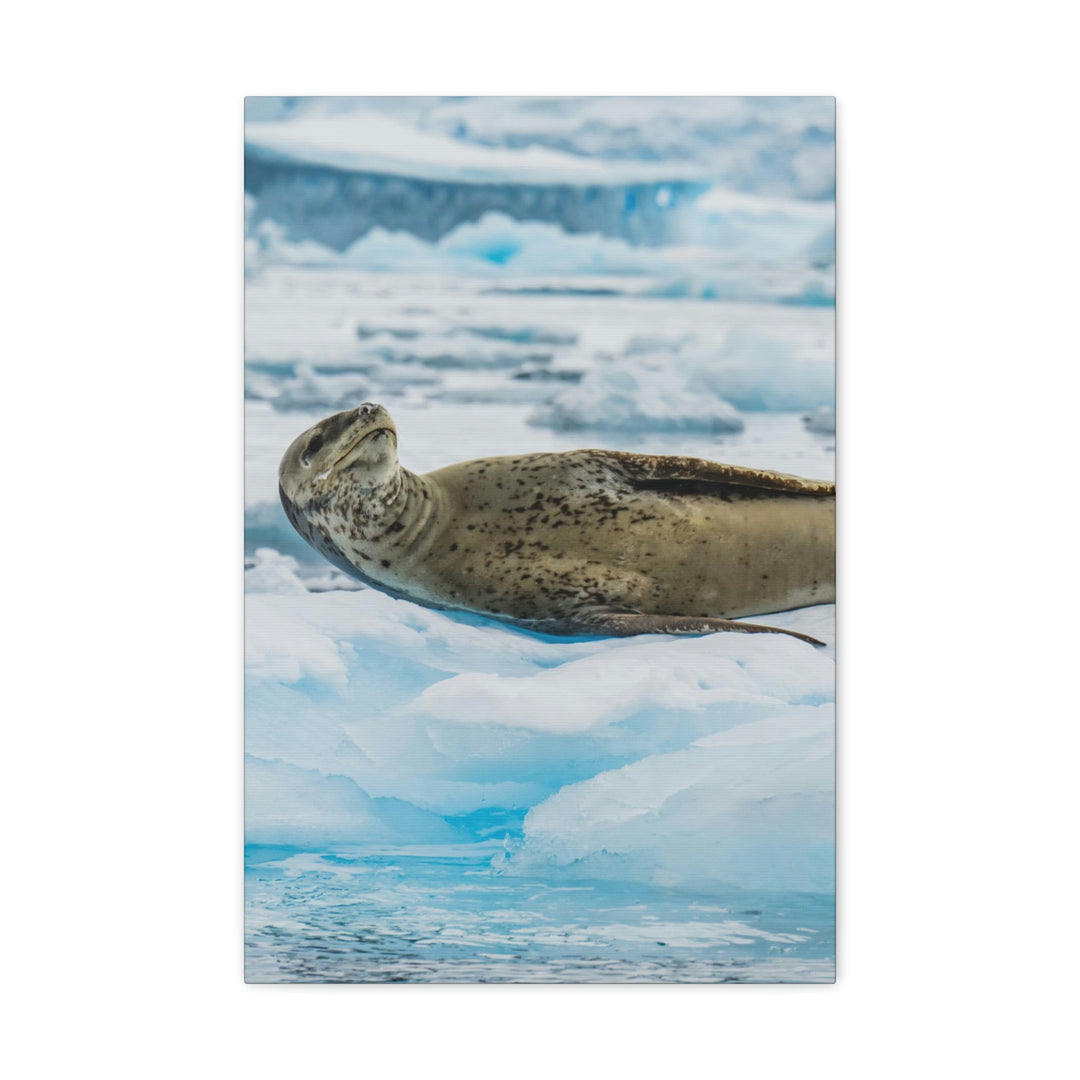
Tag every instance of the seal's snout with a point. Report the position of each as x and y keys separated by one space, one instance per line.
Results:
x=368 y=416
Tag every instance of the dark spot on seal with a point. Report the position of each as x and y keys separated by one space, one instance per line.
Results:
x=385 y=562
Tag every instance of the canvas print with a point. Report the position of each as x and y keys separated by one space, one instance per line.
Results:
x=539 y=539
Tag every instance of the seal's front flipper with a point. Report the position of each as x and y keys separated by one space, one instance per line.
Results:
x=629 y=623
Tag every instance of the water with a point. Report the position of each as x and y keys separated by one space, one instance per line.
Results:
x=417 y=914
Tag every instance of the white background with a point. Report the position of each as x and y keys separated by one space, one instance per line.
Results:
x=121 y=412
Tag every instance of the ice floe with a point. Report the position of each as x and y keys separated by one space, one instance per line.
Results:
x=792 y=264
x=752 y=805
x=455 y=713
x=637 y=397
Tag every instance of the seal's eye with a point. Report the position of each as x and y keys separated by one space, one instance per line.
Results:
x=312 y=448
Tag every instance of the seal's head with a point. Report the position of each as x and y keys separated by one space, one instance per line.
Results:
x=357 y=448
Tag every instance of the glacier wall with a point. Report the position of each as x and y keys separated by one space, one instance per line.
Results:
x=337 y=206
x=331 y=170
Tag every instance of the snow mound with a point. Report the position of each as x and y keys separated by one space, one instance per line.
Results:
x=636 y=396
x=273 y=572
x=757 y=373
x=287 y=805
x=690 y=386
x=455 y=713
x=653 y=676
x=752 y=806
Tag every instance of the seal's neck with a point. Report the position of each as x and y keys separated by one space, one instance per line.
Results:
x=399 y=512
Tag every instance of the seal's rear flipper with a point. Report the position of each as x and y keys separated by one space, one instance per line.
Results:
x=629 y=623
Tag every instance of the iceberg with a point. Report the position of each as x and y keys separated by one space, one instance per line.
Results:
x=493 y=245
x=334 y=204
x=497 y=246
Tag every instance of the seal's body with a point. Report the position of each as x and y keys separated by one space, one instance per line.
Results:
x=584 y=542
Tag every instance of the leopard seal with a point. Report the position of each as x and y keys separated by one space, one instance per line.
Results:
x=584 y=542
